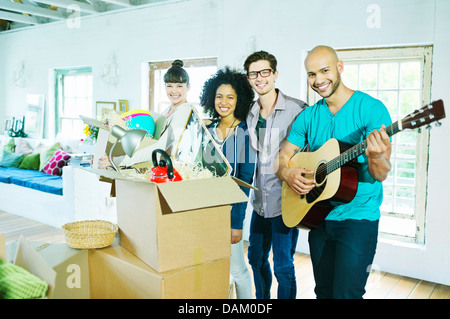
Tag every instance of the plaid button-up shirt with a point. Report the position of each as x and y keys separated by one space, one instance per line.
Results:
x=266 y=201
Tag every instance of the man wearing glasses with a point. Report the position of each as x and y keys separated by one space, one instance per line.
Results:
x=269 y=122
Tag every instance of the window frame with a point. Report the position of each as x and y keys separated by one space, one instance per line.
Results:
x=424 y=54
x=59 y=89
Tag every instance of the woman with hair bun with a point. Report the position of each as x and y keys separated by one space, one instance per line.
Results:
x=177 y=86
x=176 y=81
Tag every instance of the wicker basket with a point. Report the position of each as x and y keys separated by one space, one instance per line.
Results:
x=89 y=234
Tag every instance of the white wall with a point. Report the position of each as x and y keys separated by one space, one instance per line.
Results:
x=230 y=30
x=161 y=32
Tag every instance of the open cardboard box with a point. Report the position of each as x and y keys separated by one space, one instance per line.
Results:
x=116 y=273
x=176 y=224
x=27 y=258
x=66 y=270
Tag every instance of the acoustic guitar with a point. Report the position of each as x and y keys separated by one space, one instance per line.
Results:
x=335 y=171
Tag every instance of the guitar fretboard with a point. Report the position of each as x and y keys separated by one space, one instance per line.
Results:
x=356 y=150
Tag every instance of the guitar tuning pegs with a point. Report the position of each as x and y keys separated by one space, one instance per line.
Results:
x=438 y=123
x=428 y=127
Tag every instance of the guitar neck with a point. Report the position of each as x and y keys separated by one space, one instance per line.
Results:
x=358 y=149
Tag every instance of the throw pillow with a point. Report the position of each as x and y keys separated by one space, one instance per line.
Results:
x=30 y=161
x=10 y=159
x=47 y=153
x=56 y=163
x=10 y=146
x=22 y=146
x=41 y=147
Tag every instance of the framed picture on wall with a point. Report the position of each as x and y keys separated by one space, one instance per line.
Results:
x=123 y=106
x=102 y=106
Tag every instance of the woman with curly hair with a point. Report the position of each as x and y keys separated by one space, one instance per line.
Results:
x=227 y=97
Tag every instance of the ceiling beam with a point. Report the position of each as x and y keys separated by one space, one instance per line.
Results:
x=4 y=23
x=18 y=18
x=123 y=3
x=25 y=8
x=69 y=4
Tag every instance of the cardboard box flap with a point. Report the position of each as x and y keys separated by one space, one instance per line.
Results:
x=200 y=193
x=94 y=122
x=110 y=175
x=160 y=124
x=242 y=183
x=28 y=258
x=2 y=247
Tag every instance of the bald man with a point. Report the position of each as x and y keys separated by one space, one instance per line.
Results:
x=342 y=248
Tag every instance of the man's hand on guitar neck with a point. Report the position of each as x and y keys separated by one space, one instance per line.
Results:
x=296 y=178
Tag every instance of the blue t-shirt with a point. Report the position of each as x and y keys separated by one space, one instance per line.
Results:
x=351 y=124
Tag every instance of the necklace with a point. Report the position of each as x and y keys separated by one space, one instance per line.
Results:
x=229 y=130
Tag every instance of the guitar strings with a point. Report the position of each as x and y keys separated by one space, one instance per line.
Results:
x=351 y=153
x=357 y=150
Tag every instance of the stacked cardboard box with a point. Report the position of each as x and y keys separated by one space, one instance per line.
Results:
x=174 y=239
x=116 y=273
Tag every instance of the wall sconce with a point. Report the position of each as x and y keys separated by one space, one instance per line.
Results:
x=110 y=74
x=19 y=75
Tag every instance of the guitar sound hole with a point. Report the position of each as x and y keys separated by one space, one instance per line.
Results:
x=321 y=173
x=320 y=177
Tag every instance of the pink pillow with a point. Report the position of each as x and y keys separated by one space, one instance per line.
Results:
x=56 y=163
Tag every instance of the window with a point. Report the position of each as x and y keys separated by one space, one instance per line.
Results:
x=73 y=98
x=199 y=71
x=401 y=79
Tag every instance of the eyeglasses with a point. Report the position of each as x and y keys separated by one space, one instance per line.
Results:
x=264 y=73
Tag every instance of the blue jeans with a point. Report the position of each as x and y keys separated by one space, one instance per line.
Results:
x=264 y=234
x=342 y=253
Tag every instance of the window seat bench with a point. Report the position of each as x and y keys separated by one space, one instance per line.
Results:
x=56 y=200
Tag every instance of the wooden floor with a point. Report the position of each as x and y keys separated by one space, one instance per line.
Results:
x=380 y=285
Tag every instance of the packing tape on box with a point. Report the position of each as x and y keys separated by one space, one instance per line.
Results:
x=39 y=248
x=198 y=278
x=197 y=255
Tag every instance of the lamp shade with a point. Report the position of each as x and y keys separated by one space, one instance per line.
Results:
x=130 y=140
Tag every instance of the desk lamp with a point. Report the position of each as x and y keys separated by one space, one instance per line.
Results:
x=130 y=141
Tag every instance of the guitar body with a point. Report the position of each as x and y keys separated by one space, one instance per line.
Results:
x=340 y=186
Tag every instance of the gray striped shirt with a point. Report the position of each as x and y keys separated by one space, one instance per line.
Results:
x=266 y=201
